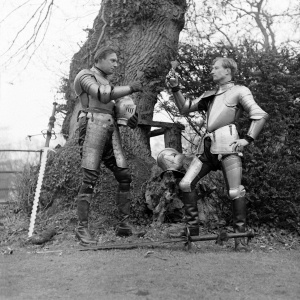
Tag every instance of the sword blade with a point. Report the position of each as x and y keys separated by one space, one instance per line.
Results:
x=133 y=245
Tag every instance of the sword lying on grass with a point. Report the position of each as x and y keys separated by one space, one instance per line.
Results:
x=187 y=240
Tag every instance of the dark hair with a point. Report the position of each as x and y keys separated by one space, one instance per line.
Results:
x=102 y=53
x=228 y=63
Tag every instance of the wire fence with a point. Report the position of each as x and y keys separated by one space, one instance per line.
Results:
x=12 y=163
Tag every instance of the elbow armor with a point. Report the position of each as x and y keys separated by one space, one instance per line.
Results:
x=95 y=86
x=182 y=104
x=256 y=113
x=256 y=127
x=98 y=87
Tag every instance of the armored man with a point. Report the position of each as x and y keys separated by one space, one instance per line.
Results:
x=104 y=108
x=221 y=146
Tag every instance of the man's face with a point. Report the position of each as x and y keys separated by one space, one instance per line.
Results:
x=108 y=64
x=219 y=73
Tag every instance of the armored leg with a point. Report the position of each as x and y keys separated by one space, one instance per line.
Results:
x=187 y=185
x=83 y=206
x=93 y=133
x=123 y=201
x=82 y=231
x=232 y=169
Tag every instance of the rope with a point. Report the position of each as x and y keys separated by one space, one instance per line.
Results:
x=38 y=190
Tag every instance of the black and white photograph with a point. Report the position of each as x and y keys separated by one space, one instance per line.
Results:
x=150 y=149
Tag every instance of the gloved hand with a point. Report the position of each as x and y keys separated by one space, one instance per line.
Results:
x=136 y=86
x=172 y=79
x=133 y=121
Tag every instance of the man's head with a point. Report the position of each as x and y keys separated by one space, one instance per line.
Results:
x=106 y=60
x=223 y=69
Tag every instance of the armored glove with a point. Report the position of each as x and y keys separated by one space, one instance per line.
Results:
x=133 y=121
x=172 y=79
x=136 y=86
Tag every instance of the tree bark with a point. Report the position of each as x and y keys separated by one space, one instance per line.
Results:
x=145 y=33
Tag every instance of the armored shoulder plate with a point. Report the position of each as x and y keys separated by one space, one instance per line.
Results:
x=209 y=93
x=77 y=84
x=243 y=90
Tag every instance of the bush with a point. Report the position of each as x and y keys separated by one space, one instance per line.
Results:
x=271 y=165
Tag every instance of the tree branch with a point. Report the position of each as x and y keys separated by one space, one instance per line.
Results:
x=36 y=30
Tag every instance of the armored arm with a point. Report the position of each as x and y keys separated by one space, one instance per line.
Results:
x=121 y=91
x=184 y=105
x=198 y=104
x=256 y=113
x=85 y=81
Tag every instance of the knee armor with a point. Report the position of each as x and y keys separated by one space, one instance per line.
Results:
x=237 y=193
x=190 y=179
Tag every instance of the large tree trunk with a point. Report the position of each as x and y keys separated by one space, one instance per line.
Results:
x=146 y=34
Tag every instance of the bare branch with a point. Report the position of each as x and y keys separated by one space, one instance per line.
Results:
x=40 y=22
x=22 y=29
x=13 y=11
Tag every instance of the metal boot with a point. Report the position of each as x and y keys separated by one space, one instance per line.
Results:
x=82 y=231
x=239 y=222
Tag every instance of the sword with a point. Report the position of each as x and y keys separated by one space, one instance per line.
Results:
x=38 y=191
x=42 y=171
x=187 y=240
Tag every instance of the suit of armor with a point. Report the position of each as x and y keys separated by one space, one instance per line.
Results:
x=224 y=108
x=100 y=140
x=90 y=86
x=218 y=148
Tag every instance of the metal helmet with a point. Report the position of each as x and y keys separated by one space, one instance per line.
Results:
x=125 y=109
x=170 y=159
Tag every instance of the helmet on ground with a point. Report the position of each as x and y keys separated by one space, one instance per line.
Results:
x=125 y=109
x=170 y=159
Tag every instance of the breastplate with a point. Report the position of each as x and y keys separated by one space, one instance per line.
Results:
x=224 y=110
x=95 y=103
